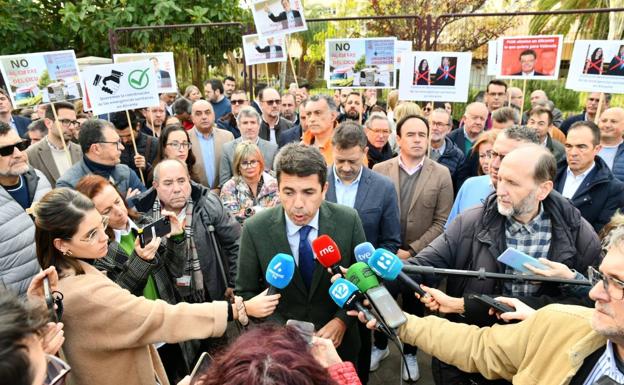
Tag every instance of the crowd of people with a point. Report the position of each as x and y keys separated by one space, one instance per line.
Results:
x=238 y=177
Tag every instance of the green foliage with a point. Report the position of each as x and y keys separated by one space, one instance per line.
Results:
x=44 y=79
x=594 y=26
x=360 y=64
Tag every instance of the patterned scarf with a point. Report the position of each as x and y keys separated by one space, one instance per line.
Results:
x=194 y=292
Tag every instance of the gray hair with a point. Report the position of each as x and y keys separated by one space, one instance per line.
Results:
x=376 y=116
x=248 y=112
x=330 y=101
x=522 y=134
x=443 y=111
x=156 y=171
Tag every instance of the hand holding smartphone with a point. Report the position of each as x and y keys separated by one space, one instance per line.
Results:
x=158 y=228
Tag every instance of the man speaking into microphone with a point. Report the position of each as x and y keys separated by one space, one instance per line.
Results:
x=290 y=228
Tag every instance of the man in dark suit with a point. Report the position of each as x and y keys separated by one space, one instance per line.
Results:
x=528 y=58
x=289 y=228
x=616 y=67
x=293 y=134
x=589 y=113
x=290 y=18
x=271 y=50
x=18 y=123
x=445 y=75
x=164 y=77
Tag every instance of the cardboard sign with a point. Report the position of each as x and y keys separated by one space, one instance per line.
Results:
x=120 y=87
x=367 y=62
x=597 y=66
x=493 y=58
x=530 y=57
x=260 y=49
x=278 y=17
x=401 y=47
x=44 y=77
x=435 y=76
x=162 y=65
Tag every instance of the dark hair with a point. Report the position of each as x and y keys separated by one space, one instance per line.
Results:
x=4 y=92
x=92 y=132
x=38 y=125
x=593 y=127
x=302 y=161
x=4 y=128
x=259 y=87
x=119 y=119
x=287 y=94
x=421 y=64
x=162 y=142
x=546 y=167
x=229 y=78
x=539 y=110
x=496 y=82
x=49 y=113
x=349 y=134
x=286 y=360
x=521 y=134
x=593 y=55
x=404 y=119
x=357 y=94
x=331 y=103
x=307 y=86
x=528 y=52
x=19 y=320
x=182 y=105
x=58 y=215
x=505 y=114
x=215 y=84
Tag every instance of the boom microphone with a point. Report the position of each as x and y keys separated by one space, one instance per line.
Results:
x=363 y=251
x=279 y=272
x=388 y=266
x=327 y=253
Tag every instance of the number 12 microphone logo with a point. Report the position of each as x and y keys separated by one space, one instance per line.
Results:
x=340 y=291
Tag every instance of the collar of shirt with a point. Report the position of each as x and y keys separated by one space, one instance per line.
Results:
x=545 y=142
x=201 y=135
x=467 y=137
x=126 y=231
x=532 y=227
x=355 y=181
x=12 y=122
x=613 y=370
x=581 y=176
x=292 y=229
x=407 y=169
x=441 y=149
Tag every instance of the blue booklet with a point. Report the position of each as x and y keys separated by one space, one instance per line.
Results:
x=516 y=259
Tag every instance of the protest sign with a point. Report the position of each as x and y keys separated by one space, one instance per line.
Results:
x=278 y=17
x=162 y=65
x=400 y=47
x=530 y=57
x=597 y=66
x=121 y=86
x=435 y=76
x=493 y=58
x=44 y=77
x=366 y=62
x=260 y=49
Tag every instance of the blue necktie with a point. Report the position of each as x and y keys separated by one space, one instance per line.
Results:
x=306 y=257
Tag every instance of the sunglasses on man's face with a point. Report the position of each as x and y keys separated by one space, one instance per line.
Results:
x=10 y=149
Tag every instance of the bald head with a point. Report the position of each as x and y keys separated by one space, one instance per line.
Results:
x=172 y=184
x=474 y=119
x=538 y=96
x=203 y=116
x=536 y=159
x=516 y=96
x=611 y=124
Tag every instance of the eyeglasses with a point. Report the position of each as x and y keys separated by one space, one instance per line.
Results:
x=439 y=124
x=238 y=101
x=613 y=286
x=92 y=235
x=69 y=122
x=10 y=149
x=57 y=371
x=118 y=143
x=380 y=131
x=272 y=102
x=179 y=145
x=249 y=164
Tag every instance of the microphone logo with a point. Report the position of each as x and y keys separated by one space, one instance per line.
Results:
x=340 y=291
x=276 y=271
x=327 y=250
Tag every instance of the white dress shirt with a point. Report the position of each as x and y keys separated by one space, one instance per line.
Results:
x=572 y=182
x=292 y=232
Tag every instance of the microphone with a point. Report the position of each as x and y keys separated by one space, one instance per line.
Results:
x=365 y=279
x=363 y=251
x=388 y=266
x=279 y=272
x=327 y=253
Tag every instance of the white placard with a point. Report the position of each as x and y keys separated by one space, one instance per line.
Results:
x=278 y=17
x=121 y=86
x=597 y=66
x=400 y=47
x=366 y=62
x=492 y=64
x=260 y=49
x=529 y=57
x=435 y=76
x=162 y=65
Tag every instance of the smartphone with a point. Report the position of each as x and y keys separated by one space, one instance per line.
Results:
x=491 y=302
x=49 y=299
x=201 y=367
x=159 y=228
x=306 y=329
x=386 y=306
x=516 y=259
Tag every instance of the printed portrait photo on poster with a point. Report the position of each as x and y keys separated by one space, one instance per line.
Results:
x=260 y=49
x=530 y=57
x=278 y=17
x=597 y=66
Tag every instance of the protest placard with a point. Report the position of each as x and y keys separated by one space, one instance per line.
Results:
x=278 y=17
x=121 y=86
x=597 y=66
x=365 y=62
x=493 y=58
x=162 y=65
x=260 y=49
x=43 y=77
x=400 y=47
x=435 y=76
x=529 y=57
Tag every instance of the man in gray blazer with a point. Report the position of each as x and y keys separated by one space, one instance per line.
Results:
x=248 y=121
x=48 y=155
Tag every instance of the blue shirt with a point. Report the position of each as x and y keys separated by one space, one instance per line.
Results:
x=20 y=193
x=345 y=193
x=221 y=108
x=472 y=193
x=607 y=153
x=206 y=143
x=606 y=365
x=292 y=232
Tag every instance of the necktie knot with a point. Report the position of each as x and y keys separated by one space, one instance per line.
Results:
x=304 y=232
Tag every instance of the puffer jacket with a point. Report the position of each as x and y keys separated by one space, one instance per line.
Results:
x=18 y=259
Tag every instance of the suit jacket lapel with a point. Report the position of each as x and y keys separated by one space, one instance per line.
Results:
x=280 y=244
x=423 y=179
x=48 y=161
x=393 y=174
x=331 y=188
x=326 y=226
x=363 y=187
x=200 y=170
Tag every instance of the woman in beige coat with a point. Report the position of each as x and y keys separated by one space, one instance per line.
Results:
x=109 y=333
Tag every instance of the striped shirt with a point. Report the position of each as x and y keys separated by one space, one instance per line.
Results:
x=606 y=366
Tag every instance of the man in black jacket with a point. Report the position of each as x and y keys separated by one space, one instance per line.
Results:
x=587 y=180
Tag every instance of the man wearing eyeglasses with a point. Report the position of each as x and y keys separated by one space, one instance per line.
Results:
x=591 y=108
x=102 y=148
x=21 y=185
x=49 y=156
x=378 y=131
x=443 y=150
x=272 y=123
x=228 y=122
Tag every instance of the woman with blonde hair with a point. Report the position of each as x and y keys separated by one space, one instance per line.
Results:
x=192 y=93
x=251 y=189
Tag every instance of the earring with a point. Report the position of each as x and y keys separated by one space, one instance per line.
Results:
x=67 y=253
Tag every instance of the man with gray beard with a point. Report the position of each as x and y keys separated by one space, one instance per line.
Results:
x=21 y=186
x=524 y=213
